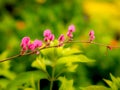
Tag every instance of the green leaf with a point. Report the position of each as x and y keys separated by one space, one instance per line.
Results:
x=72 y=59
x=55 y=53
x=111 y=84
x=24 y=78
x=66 y=84
x=5 y=67
x=39 y=63
x=3 y=83
x=116 y=81
x=95 y=87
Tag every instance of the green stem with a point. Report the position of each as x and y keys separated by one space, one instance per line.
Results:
x=52 y=78
x=39 y=85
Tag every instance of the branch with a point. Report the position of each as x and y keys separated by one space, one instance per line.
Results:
x=67 y=42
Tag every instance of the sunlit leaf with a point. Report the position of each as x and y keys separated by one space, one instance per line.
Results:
x=73 y=58
x=5 y=66
x=111 y=84
x=66 y=84
x=95 y=87
x=39 y=63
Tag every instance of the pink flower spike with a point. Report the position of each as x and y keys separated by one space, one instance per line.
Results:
x=31 y=47
x=51 y=37
x=71 y=28
x=37 y=43
x=61 y=38
x=47 y=33
x=69 y=34
x=91 y=33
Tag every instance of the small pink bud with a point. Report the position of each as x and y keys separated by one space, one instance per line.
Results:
x=69 y=34
x=24 y=48
x=46 y=39
x=31 y=47
x=37 y=43
x=61 y=38
x=92 y=38
x=71 y=28
x=37 y=52
x=51 y=37
x=47 y=33
x=91 y=33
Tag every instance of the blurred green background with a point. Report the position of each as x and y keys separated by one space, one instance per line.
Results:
x=19 y=18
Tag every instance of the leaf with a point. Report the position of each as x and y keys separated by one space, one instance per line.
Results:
x=73 y=58
x=95 y=87
x=39 y=63
x=4 y=67
x=111 y=84
x=3 y=83
x=116 y=81
x=66 y=84
x=24 y=78
x=58 y=52
x=71 y=51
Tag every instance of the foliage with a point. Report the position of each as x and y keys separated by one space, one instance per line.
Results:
x=19 y=18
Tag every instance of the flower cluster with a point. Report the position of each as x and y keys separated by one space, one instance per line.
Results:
x=91 y=35
x=48 y=36
x=71 y=29
x=26 y=44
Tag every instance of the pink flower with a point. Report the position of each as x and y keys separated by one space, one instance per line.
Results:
x=61 y=38
x=46 y=39
x=71 y=28
x=37 y=43
x=91 y=35
x=31 y=46
x=69 y=34
x=25 y=41
x=92 y=38
x=51 y=37
x=47 y=33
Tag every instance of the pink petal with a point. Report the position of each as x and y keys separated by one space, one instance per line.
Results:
x=61 y=38
x=71 y=28
x=37 y=43
x=47 y=33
